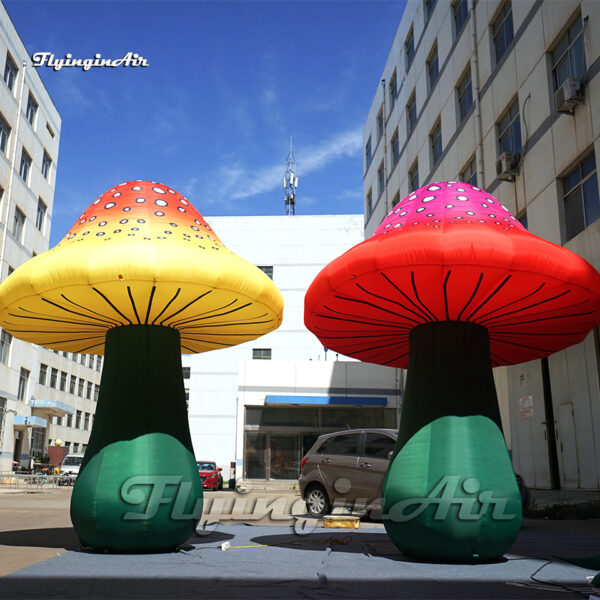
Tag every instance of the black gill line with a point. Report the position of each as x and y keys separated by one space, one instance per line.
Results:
x=446 y=294
x=186 y=306
x=483 y=317
x=490 y=297
x=133 y=305
x=149 y=304
x=189 y=319
x=74 y=312
x=414 y=286
x=419 y=308
x=391 y=312
x=114 y=321
x=166 y=306
x=200 y=318
x=472 y=296
x=58 y=321
x=112 y=305
x=420 y=315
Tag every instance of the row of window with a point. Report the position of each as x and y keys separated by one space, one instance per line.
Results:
x=72 y=448
x=83 y=420
x=58 y=380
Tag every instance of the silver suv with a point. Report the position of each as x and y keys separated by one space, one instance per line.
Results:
x=346 y=468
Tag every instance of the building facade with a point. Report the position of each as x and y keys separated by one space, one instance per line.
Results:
x=44 y=395
x=270 y=397
x=506 y=95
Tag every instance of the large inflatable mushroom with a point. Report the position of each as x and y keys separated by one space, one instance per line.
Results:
x=140 y=278
x=449 y=286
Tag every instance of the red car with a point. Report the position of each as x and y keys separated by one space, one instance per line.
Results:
x=210 y=475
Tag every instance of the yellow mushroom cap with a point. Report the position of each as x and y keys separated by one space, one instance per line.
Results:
x=139 y=255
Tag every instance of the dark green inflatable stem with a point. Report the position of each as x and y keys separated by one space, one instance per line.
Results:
x=140 y=445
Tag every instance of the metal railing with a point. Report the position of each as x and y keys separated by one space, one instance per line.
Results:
x=33 y=481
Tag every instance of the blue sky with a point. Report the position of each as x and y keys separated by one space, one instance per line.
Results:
x=211 y=116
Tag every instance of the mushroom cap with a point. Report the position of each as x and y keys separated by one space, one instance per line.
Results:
x=139 y=255
x=451 y=252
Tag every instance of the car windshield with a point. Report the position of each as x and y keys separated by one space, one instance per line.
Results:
x=71 y=461
x=206 y=466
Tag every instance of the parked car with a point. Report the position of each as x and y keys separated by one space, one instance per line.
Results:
x=210 y=475
x=349 y=466
x=71 y=464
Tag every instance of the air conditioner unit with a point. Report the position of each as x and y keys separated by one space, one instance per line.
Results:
x=506 y=166
x=568 y=95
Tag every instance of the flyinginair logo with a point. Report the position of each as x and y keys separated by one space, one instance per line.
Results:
x=47 y=59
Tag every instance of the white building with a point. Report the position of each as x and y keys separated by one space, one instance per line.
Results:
x=506 y=95
x=241 y=398
x=37 y=386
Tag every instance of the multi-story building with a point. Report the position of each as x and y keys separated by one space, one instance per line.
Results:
x=43 y=395
x=268 y=399
x=506 y=95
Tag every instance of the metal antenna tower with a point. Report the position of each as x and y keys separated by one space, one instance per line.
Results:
x=290 y=183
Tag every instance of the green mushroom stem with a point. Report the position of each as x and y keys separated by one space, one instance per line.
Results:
x=450 y=492
x=139 y=466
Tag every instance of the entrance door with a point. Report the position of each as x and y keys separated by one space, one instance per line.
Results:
x=285 y=456
x=256 y=455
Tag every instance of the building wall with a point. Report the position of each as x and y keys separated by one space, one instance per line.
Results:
x=297 y=247
x=38 y=137
x=553 y=144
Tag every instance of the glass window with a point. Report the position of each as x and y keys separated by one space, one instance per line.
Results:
x=18 y=224
x=460 y=12
x=80 y=385
x=88 y=391
x=99 y=363
x=23 y=379
x=256 y=455
x=53 y=378
x=411 y=114
x=433 y=70
x=369 y=203
x=413 y=178
x=261 y=353
x=435 y=139
x=86 y=420
x=509 y=130
x=46 y=163
x=380 y=125
x=25 y=165
x=582 y=202
x=502 y=31
x=41 y=213
x=267 y=270
x=43 y=374
x=381 y=179
x=409 y=48
x=5 y=340
x=469 y=173
x=78 y=420
x=465 y=96
x=96 y=392
x=4 y=134
x=186 y=372
x=63 y=381
x=72 y=382
x=378 y=445
x=395 y=148
x=69 y=424
x=393 y=87
x=429 y=6
x=568 y=58
x=345 y=444
x=37 y=442
x=368 y=154
x=10 y=72
x=299 y=416
x=90 y=361
x=82 y=359
x=31 y=111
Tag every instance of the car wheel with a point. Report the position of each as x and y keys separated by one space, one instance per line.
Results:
x=317 y=502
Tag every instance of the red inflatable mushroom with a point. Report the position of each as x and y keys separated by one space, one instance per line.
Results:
x=448 y=286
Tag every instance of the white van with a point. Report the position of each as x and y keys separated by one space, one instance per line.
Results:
x=71 y=463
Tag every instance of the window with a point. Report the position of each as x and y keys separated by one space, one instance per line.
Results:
x=369 y=202
x=460 y=12
x=65 y=355
x=53 y=378
x=413 y=177
x=393 y=87
x=582 y=204
x=411 y=114
x=509 y=130
x=86 y=420
x=409 y=48
x=368 y=154
x=23 y=379
x=46 y=164
x=41 y=213
x=502 y=31
x=187 y=397
x=69 y=424
x=10 y=72
x=464 y=94
x=435 y=139
x=267 y=271
x=378 y=445
x=88 y=390
x=18 y=224
x=98 y=363
x=90 y=361
x=433 y=70
x=78 y=420
x=380 y=125
x=469 y=173
x=37 y=442
x=96 y=392
x=43 y=374
x=82 y=359
x=10 y=270
x=341 y=444
x=261 y=353
x=25 y=165
x=72 y=382
x=568 y=58
x=5 y=340
x=380 y=179
x=50 y=130
x=522 y=218
x=4 y=134
x=429 y=5
x=186 y=372
x=31 y=111
x=395 y=148
x=80 y=385
x=63 y=381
